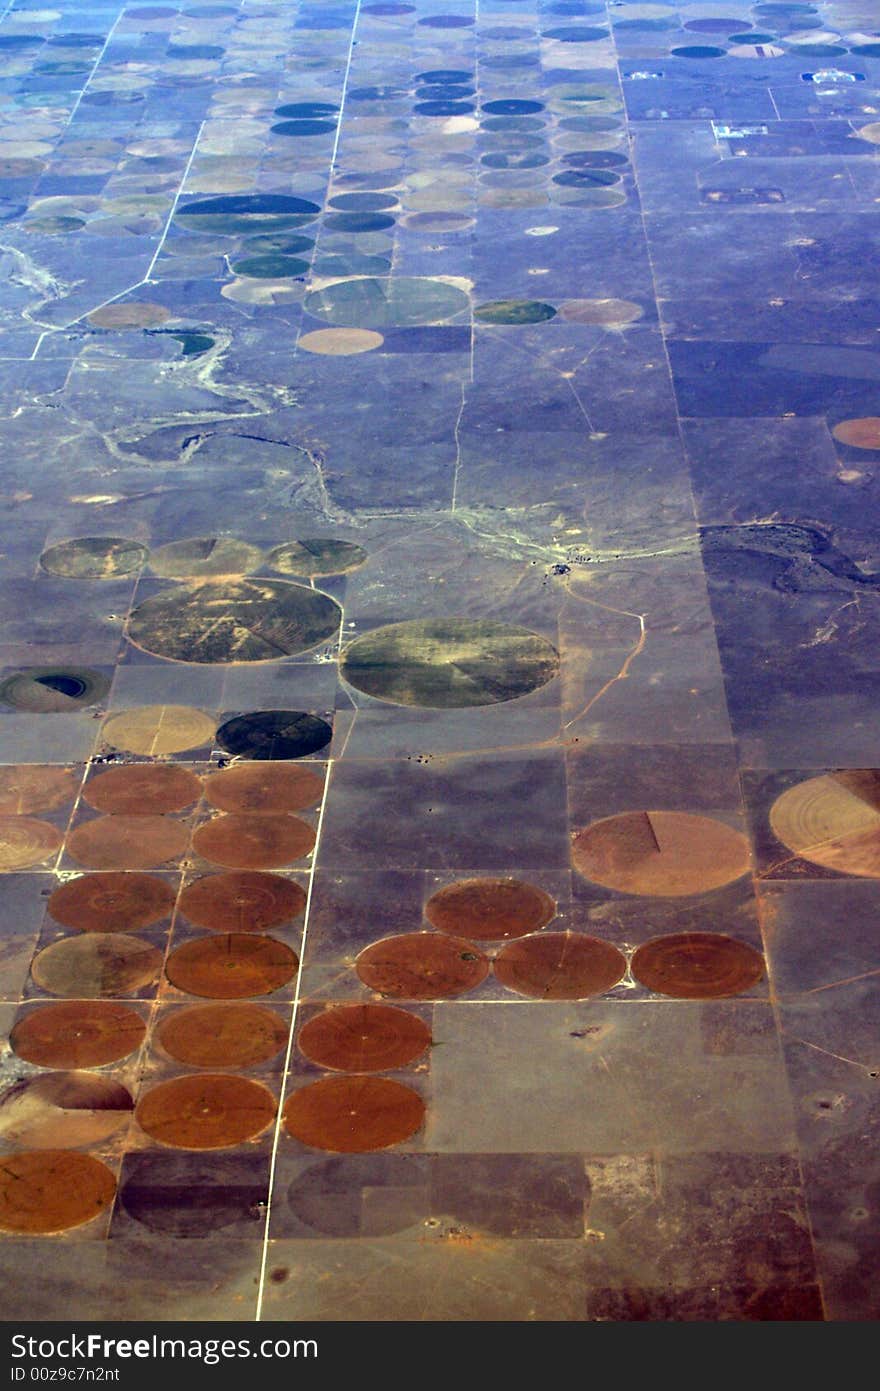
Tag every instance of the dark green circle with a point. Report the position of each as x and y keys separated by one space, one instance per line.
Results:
x=191 y=343
x=270 y=267
x=362 y=202
x=441 y=93
x=595 y=159
x=444 y=108
x=449 y=663
x=274 y=735
x=586 y=178
x=511 y=106
x=311 y=110
x=377 y=94
x=447 y=21
x=525 y=160
x=445 y=75
x=64 y=67
x=698 y=51
x=358 y=222
x=190 y=52
x=257 y=212
x=514 y=311
x=303 y=128
x=387 y=302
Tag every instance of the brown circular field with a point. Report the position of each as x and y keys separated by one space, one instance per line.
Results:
x=364 y=1038
x=560 y=966
x=63 y=1108
x=697 y=966
x=25 y=841
x=47 y=1191
x=153 y=730
x=32 y=788
x=222 y=1035
x=833 y=820
x=662 y=853
x=264 y=787
x=340 y=342
x=135 y=314
x=422 y=966
x=350 y=1115
x=143 y=787
x=244 y=901
x=128 y=842
x=232 y=966
x=612 y=312
x=207 y=1112
x=78 y=1034
x=95 y=965
x=254 y=840
x=489 y=909
x=111 y=902
x=862 y=432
